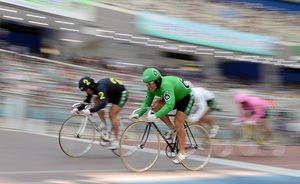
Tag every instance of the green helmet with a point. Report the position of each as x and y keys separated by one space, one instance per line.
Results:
x=150 y=75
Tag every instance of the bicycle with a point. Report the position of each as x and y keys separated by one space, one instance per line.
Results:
x=249 y=138
x=223 y=141
x=140 y=145
x=77 y=135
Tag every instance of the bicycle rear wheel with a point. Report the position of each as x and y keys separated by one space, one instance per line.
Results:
x=222 y=143
x=275 y=146
x=76 y=135
x=198 y=147
x=245 y=140
x=139 y=146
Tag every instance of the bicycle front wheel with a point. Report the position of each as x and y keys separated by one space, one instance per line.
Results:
x=245 y=140
x=124 y=122
x=198 y=147
x=139 y=146
x=76 y=135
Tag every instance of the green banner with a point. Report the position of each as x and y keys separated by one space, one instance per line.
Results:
x=202 y=34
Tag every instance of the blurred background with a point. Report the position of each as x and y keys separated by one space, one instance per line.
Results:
x=225 y=46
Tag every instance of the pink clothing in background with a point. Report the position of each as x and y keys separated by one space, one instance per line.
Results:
x=254 y=108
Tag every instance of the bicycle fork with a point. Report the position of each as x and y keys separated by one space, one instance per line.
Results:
x=144 y=139
x=81 y=127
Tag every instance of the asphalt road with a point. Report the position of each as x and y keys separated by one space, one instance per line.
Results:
x=29 y=156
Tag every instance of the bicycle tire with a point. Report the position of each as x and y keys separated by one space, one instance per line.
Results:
x=198 y=147
x=124 y=122
x=70 y=142
x=139 y=149
x=223 y=142
x=245 y=141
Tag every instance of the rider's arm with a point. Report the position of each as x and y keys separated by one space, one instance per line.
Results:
x=86 y=100
x=146 y=103
x=243 y=114
x=169 y=97
x=102 y=95
x=201 y=104
x=101 y=105
x=258 y=111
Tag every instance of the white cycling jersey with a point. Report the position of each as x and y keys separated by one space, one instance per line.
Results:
x=201 y=96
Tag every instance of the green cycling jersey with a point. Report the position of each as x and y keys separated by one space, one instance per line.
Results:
x=172 y=89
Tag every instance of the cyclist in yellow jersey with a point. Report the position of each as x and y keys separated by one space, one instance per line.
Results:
x=107 y=90
x=176 y=94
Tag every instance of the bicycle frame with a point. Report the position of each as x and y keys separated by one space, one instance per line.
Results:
x=147 y=132
x=142 y=140
x=253 y=132
x=83 y=125
x=172 y=145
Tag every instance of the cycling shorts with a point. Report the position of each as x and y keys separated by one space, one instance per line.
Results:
x=211 y=104
x=119 y=99
x=185 y=105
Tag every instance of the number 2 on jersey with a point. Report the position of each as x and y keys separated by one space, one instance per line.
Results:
x=115 y=81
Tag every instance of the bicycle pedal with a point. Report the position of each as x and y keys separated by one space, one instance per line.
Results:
x=98 y=129
x=105 y=136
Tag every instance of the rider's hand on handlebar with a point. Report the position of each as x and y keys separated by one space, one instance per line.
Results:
x=151 y=117
x=86 y=111
x=250 y=122
x=74 y=110
x=237 y=122
x=134 y=116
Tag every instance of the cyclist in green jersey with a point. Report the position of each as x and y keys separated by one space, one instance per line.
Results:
x=176 y=94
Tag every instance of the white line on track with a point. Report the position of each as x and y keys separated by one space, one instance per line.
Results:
x=236 y=164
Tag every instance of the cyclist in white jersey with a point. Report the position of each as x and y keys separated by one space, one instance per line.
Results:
x=204 y=103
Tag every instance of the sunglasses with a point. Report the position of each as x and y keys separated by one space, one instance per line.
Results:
x=149 y=83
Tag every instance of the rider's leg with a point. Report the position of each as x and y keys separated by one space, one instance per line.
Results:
x=113 y=116
x=207 y=119
x=179 y=121
x=264 y=123
x=157 y=106
x=101 y=112
x=210 y=121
